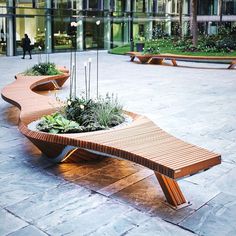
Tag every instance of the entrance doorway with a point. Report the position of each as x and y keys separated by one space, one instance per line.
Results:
x=3 y=39
x=93 y=31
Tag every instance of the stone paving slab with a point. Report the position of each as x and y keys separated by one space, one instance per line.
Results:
x=215 y=218
x=9 y=222
x=156 y=227
x=28 y=231
x=194 y=104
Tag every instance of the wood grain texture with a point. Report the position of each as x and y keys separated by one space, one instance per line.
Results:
x=141 y=141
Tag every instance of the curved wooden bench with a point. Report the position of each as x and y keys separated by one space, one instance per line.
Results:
x=142 y=141
x=159 y=58
x=55 y=83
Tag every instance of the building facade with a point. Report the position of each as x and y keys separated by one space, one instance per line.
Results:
x=59 y=25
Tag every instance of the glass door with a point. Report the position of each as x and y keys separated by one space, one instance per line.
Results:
x=3 y=41
x=93 y=31
x=3 y=35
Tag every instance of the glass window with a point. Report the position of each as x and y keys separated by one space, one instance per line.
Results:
x=3 y=3
x=61 y=31
x=106 y=4
x=140 y=6
x=93 y=33
x=161 y=7
x=40 y=3
x=117 y=34
x=93 y=4
x=207 y=7
x=229 y=7
x=33 y=26
x=24 y=3
x=173 y=6
x=119 y=5
x=3 y=32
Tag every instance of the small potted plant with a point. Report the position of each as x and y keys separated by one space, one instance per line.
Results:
x=151 y=49
x=82 y=115
x=140 y=43
x=47 y=69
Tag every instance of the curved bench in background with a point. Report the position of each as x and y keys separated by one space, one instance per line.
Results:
x=141 y=142
x=159 y=58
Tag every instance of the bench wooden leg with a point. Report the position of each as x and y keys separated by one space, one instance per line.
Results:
x=172 y=191
x=55 y=84
x=149 y=61
x=232 y=65
x=132 y=58
x=174 y=62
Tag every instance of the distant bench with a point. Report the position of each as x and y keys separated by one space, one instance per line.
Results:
x=159 y=58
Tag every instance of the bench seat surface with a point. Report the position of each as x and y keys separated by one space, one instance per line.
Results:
x=142 y=141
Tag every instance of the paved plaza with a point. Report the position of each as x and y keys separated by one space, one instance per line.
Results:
x=195 y=102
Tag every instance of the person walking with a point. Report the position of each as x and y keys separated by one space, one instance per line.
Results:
x=26 y=46
x=2 y=35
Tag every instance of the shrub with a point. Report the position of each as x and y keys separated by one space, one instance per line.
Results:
x=56 y=123
x=207 y=43
x=151 y=47
x=107 y=113
x=81 y=115
x=226 y=44
x=45 y=68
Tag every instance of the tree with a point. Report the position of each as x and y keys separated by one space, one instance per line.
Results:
x=193 y=22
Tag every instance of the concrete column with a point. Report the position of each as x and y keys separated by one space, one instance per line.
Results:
x=168 y=18
x=150 y=5
x=79 y=4
x=79 y=36
x=127 y=5
x=106 y=4
x=126 y=31
x=185 y=23
x=168 y=7
x=100 y=4
x=149 y=23
x=185 y=27
x=185 y=7
x=80 y=27
x=107 y=33
x=148 y=29
x=48 y=28
x=134 y=6
x=168 y=26
x=147 y=3
x=10 y=35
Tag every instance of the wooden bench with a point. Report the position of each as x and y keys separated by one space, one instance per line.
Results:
x=141 y=141
x=159 y=58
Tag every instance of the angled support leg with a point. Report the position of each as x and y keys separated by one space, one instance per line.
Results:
x=55 y=84
x=174 y=62
x=132 y=58
x=150 y=60
x=172 y=192
x=232 y=65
